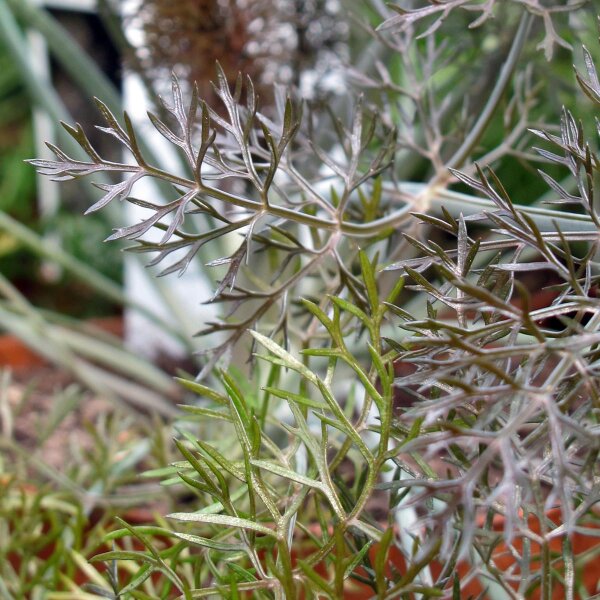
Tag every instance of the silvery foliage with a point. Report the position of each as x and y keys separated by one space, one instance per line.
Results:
x=504 y=395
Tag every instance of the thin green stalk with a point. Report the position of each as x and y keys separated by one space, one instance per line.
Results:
x=267 y=584
x=506 y=73
x=546 y=571
x=457 y=203
x=569 y=569
x=287 y=579
x=273 y=377
x=414 y=569
x=414 y=194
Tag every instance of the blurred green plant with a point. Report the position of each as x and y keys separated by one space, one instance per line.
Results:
x=99 y=361
x=18 y=185
x=63 y=480
x=413 y=390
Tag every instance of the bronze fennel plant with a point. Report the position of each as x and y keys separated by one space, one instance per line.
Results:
x=343 y=272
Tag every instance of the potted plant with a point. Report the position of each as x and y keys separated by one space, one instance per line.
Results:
x=309 y=477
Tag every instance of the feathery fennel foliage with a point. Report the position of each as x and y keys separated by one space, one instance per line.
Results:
x=407 y=391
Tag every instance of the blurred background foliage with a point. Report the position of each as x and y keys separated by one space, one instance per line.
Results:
x=273 y=42
x=17 y=183
x=40 y=281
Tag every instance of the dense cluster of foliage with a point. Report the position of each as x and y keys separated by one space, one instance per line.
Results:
x=407 y=389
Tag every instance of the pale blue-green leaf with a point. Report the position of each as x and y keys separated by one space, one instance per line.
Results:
x=288 y=360
x=287 y=474
x=224 y=520
x=197 y=540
